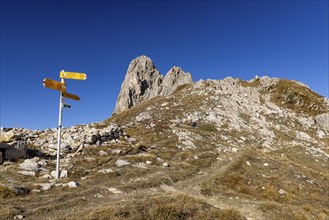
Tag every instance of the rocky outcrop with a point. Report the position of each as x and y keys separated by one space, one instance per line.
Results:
x=143 y=81
x=73 y=139
x=174 y=78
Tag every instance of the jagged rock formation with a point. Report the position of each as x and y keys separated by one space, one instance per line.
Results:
x=143 y=81
x=174 y=78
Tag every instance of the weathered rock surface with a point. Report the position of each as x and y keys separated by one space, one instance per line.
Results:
x=143 y=81
x=73 y=138
x=13 y=151
x=174 y=78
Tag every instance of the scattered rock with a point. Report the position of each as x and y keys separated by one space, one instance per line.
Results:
x=20 y=190
x=13 y=151
x=44 y=186
x=18 y=216
x=282 y=192
x=30 y=164
x=27 y=173
x=105 y=171
x=72 y=184
x=113 y=190
x=8 y=136
x=165 y=164
x=234 y=150
x=121 y=163
x=63 y=173
x=248 y=163
x=102 y=153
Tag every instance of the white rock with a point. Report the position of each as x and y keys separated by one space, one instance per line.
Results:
x=121 y=163
x=165 y=164
x=72 y=184
x=282 y=192
x=44 y=186
x=46 y=176
x=248 y=163
x=18 y=217
x=114 y=190
x=102 y=153
x=105 y=171
x=303 y=136
x=265 y=164
x=27 y=173
x=116 y=151
x=234 y=150
x=63 y=173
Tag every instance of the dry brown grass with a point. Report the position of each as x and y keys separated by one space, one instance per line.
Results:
x=288 y=94
x=296 y=173
x=253 y=83
x=178 y=207
x=6 y=192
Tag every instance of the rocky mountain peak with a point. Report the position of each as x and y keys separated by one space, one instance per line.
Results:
x=174 y=78
x=143 y=81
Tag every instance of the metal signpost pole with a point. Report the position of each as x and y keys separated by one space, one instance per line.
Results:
x=61 y=86
x=59 y=133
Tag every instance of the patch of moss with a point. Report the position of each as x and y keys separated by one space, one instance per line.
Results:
x=207 y=127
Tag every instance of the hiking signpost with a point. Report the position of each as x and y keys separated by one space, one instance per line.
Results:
x=61 y=86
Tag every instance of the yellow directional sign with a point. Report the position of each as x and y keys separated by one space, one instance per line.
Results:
x=72 y=75
x=71 y=96
x=53 y=84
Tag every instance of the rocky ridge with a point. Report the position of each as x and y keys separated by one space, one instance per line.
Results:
x=143 y=81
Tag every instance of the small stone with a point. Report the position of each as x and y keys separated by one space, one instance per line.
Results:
x=63 y=173
x=102 y=153
x=196 y=157
x=72 y=184
x=121 y=163
x=265 y=164
x=282 y=192
x=105 y=171
x=165 y=164
x=27 y=173
x=248 y=163
x=148 y=162
x=234 y=150
x=8 y=163
x=98 y=195
x=44 y=186
x=114 y=190
x=116 y=151
x=18 y=217
x=46 y=176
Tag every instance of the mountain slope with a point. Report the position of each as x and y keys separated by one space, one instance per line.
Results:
x=214 y=149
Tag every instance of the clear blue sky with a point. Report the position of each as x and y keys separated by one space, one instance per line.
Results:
x=210 y=39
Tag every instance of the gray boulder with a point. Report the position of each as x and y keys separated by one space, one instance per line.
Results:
x=13 y=151
x=323 y=120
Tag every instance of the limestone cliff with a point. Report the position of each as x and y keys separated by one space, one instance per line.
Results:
x=143 y=81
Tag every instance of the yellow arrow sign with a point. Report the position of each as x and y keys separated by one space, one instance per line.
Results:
x=71 y=96
x=53 y=84
x=72 y=75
